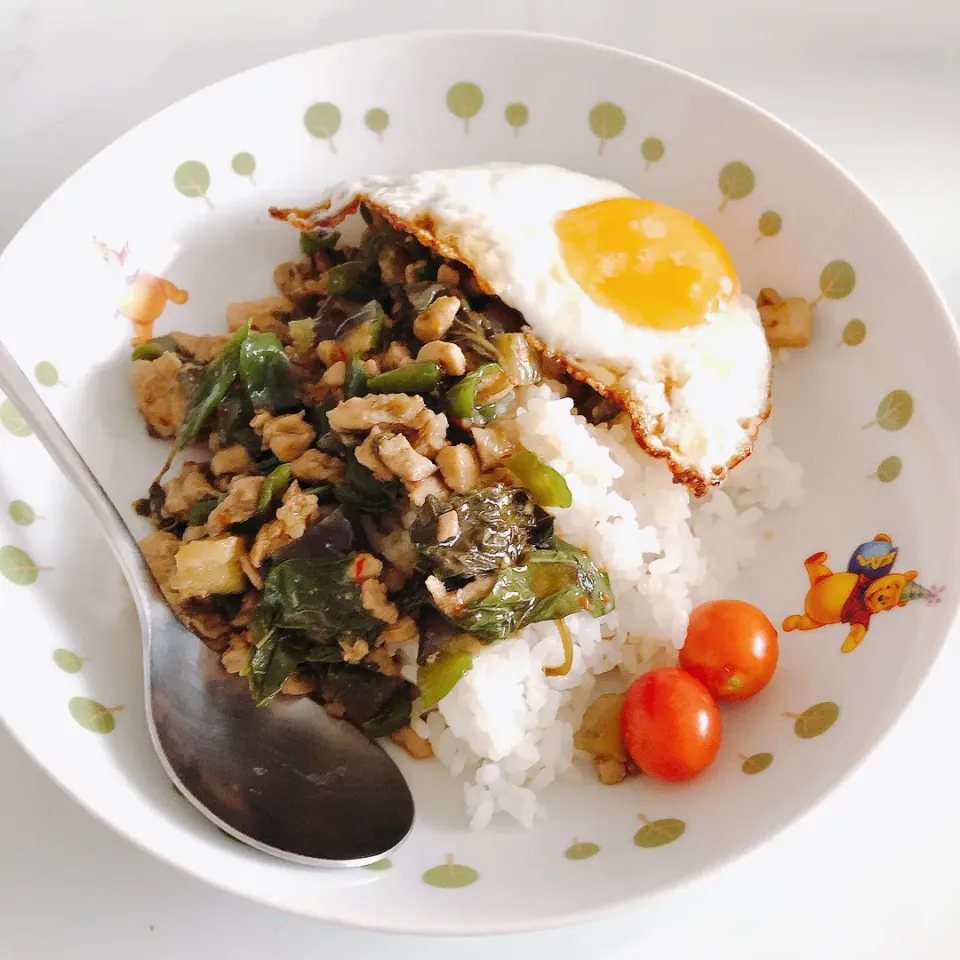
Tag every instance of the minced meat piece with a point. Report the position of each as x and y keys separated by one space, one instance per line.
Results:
x=159 y=393
x=364 y=413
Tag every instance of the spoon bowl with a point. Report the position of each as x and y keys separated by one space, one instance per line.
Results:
x=285 y=778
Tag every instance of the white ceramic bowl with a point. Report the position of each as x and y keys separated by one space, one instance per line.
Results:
x=869 y=410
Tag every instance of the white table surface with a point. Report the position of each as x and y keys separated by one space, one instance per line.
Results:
x=872 y=872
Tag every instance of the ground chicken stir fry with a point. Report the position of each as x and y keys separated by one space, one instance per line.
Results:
x=363 y=519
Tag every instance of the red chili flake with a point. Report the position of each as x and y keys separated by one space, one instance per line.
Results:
x=358 y=569
x=585 y=603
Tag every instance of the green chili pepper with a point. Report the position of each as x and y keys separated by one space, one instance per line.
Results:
x=317 y=240
x=438 y=678
x=317 y=416
x=517 y=358
x=413 y=378
x=217 y=379
x=301 y=333
x=273 y=487
x=344 y=277
x=362 y=332
x=355 y=382
x=422 y=293
x=155 y=348
x=267 y=374
x=366 y=213
x=201 y=510
x=233 y=417
x=373 y=241
x=482 y=387
x=322 y=491
x=544 y=484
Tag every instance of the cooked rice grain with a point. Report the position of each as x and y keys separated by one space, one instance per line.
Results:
x=507 y=728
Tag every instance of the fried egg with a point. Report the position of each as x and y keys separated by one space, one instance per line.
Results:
x=632 y=296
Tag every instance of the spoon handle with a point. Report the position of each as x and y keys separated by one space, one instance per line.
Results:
x=61 y=449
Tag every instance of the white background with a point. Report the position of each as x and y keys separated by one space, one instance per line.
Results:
x=872 y=873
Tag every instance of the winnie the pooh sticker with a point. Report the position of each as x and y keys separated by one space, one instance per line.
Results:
x=144 y=296
x=867 y=587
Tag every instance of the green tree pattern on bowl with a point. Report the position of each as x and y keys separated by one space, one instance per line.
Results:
x=581 y=850
x=888 y=471
x=658 y=833
x=450 y=875
x=45 y=373
x=894 y=411
x=769 y=224
x=376 y=120
x=736 y=181
x=68 y=661
x=322 y=120
x=814 y=721
x=756 y=763
x=465 y=101
x=652 y=150
x=854 y=333
x=12 y=420
x=517 y=115
x=18 y=567
x=192 y=179
x=837 y=280
x=21 y=513
x=93 y=716
x=244 y=164
x=606 y=121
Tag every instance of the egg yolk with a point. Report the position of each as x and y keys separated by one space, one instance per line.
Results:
x=654 y=265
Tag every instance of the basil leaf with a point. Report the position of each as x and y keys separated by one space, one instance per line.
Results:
x=422 y=293
x=362 y=332
x=373 y=241
x=317 y=416
x=376 y=703
x=344 y=278
x=361 y=491
x=497 y=525
x=270 y=664
x=267 y=374
x=201 y=510
x=471 y=331
x=217 y=379
x=314 y=594
x=549 y=585
x=233 y=417
x=355 y=381
x=278 y=657
x=334 y=534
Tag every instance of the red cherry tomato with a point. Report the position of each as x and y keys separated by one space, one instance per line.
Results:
x=670 y=724
x=731 y=648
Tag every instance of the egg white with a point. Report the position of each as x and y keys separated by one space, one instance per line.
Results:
x=704 y=389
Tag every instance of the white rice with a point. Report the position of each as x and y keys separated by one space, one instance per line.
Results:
x=507 y=729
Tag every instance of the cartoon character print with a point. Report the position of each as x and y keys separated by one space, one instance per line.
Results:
x=145 y=296
x=853 y=597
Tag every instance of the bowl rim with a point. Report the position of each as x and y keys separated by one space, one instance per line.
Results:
x=589 y=914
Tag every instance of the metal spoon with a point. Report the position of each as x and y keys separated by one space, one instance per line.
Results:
x=286 y=778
